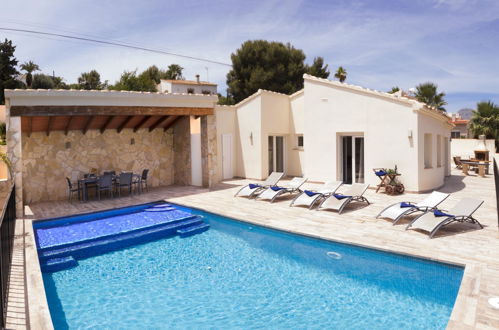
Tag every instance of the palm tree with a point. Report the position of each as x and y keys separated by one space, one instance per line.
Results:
x=341 y=74
x=427 y=93
x=485 y=120
x=29 y=67
x=174 y=72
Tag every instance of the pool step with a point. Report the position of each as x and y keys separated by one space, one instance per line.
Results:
x=116 y=242
x=192 y=230
x=160 y=209
x=119 y=233
x=58 y=264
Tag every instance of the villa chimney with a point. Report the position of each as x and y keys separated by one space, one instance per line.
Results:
x=481 y=152
x=197 y=78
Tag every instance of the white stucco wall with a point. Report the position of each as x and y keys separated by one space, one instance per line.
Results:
x=275 y=122
x=465 y=147
x=393 y=129
x=433 y=177
x=178 y=87
x=249 y=161
x=333 y=111
x=296 y=155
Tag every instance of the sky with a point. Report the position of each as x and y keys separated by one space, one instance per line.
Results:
x=453 y=43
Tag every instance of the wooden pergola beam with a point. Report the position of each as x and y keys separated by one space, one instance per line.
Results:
x=68 y=123
x=83 y=110
x=158 y=122
x=87 y=124
x=124 y=123
x=48 y=126
x=106 y=124
x=171 y=120
x=141 y=123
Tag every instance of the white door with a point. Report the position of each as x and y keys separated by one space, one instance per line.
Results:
x=227 y=172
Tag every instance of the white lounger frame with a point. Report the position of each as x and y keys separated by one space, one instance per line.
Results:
x=422 y=206
x=326 y=190
x=357 y=191
x=271 y=180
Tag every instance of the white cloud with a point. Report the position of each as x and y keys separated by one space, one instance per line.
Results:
x=381 y=44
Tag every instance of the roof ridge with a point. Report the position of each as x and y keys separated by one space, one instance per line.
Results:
x=376 y=92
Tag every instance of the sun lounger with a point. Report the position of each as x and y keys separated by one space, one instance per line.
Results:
x=310 y=197
x=434 y=220
x=339 y=201
x=253 y=189
x=292 y=187
x=398 y=210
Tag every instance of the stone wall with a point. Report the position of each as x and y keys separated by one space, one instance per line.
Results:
x=47 y=160
x=209 y=151
x=15 y=156
x=182 y=149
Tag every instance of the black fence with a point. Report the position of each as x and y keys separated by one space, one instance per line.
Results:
x=7 y=226
x=496 y=179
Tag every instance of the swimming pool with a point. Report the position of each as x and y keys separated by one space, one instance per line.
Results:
x=237 y=275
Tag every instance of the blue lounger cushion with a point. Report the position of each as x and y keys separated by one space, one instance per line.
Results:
x=439 y=213
x=404 y=204
x=254 y=186
x=310 y=193
x=340 y=196
x=277 y=188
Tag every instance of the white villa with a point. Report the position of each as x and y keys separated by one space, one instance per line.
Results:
x=326 y=131
x=187 y=86
x=334 y=131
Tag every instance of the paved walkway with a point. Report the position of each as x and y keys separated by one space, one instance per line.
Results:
x=459 y=243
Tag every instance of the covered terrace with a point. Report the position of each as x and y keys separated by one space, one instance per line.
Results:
x=54 y=134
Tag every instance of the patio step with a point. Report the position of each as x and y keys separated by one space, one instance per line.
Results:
x=58 y=264
x=106 y=244
x=192 y=230
x=119 y=233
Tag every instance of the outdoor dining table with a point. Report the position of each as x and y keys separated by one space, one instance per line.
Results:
x=481 y=165
x=93 y=179
x=84 y=183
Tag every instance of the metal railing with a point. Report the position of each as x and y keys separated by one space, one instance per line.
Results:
x=7 y=226
x=496 y=179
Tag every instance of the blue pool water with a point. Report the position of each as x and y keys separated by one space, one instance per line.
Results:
x=237 y=275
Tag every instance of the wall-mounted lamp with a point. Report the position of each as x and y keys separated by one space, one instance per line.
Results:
x=251 y=138
x=132 y=141
x=409 y=134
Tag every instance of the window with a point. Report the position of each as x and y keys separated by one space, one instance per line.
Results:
x=299 y=141
x=439 y=151
x=455 y=135
x=428 y=151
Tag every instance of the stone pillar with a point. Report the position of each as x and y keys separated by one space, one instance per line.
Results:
x=182 y=151
x=14 y=152
x=209 y=151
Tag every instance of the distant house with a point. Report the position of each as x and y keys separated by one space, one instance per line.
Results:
x=461 y=127
x=334 y=131
x=187 y=87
